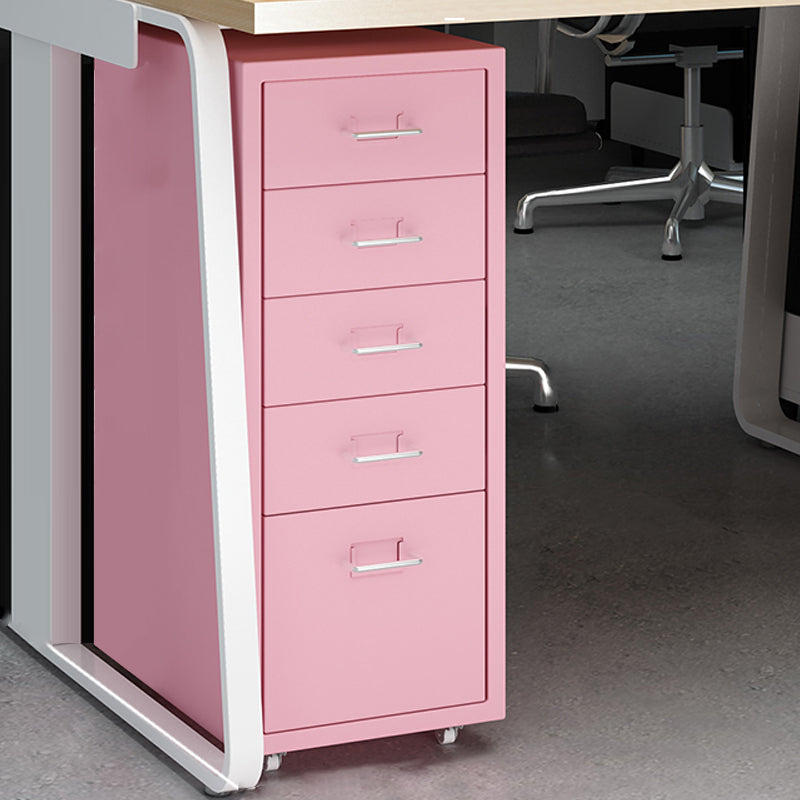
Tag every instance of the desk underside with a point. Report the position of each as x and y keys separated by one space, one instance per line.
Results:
x=285 y=16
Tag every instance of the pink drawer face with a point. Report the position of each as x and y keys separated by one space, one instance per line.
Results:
x=373 y=128
x=338 y=238
x=390 y=599
x=347 y=452
x=383 y=341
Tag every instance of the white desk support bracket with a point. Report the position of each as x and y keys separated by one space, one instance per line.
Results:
x=46 y=368
x=766 y=238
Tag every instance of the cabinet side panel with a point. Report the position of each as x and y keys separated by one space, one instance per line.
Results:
x=154 y=583
x=495 y=380
x=246 y=111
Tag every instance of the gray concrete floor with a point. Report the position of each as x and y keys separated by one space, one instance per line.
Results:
x=653 y=602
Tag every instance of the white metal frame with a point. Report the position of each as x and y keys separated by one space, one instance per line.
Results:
x=46 y=366
x=766 y=237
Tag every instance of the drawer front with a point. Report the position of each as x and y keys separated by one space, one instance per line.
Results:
x=400 y=233
x=391 y=640
x=329 y=131
x=347 y=452
x=384 y=341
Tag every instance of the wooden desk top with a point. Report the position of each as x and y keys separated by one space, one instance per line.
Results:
x=284 y=16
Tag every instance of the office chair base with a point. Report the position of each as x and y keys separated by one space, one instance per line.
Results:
x=690 y=184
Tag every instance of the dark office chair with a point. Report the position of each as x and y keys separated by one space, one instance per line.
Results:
x=691 y=183
x=542 y=122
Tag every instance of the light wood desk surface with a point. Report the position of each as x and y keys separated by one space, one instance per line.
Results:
x=283 y=16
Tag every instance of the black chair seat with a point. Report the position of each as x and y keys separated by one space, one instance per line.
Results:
x=547 y=123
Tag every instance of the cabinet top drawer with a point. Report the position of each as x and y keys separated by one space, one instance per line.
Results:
x=370 y=128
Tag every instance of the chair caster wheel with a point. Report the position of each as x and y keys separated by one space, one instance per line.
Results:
x=211 y=793
x=447 y=735
x=272 y=763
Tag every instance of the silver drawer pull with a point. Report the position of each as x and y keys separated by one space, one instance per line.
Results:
x=367 y=135
x=387 y=242
x=386 y=348
x=409 y=562
x=387 y=457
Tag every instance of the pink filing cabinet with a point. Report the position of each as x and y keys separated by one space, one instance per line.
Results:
x=370 y=189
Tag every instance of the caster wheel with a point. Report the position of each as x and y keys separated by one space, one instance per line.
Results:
x=210 y=793
x=272 y=763
x=447 y=735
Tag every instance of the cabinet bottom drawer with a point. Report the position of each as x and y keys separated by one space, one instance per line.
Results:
x=374 y=611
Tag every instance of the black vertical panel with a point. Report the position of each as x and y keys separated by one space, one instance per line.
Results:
x=5 y=322
x=87 y=348
x=793 y=267
x=792 y=299
x=750 y=56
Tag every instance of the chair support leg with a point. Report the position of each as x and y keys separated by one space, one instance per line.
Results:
x=545 y=396
x=727 y=190
x=658 y=188
x=689 y=205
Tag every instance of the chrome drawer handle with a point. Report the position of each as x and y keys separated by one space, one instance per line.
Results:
x=386 y=348
x=387 y=457
x=367 y=135
x=410 y=562
x=387 y=242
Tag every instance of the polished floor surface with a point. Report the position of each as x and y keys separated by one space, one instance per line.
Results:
x=654 y=555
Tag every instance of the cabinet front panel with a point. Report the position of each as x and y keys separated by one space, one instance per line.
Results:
x=356 y=344
x=373 y=611
x=364 y=236
x=373 y=128
x=347 y=452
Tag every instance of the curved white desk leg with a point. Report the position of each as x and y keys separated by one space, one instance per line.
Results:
x=767 y=226
x=225 y=387
x=46 y=394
